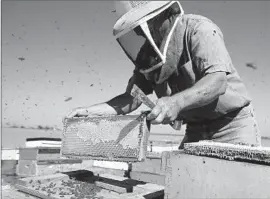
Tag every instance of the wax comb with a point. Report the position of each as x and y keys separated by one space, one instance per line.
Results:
x=98 y=138
x=227 y=151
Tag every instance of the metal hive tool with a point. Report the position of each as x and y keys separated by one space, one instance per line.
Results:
x=229 y=151
x=113 y=138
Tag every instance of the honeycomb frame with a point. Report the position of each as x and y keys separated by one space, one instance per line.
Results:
x=110 y=138
x=238 y=152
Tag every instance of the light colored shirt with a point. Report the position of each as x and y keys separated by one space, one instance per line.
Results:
x=201 y=50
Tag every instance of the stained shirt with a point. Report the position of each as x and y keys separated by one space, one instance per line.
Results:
x=199 y=49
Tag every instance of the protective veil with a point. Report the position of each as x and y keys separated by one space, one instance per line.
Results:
x=146 y=45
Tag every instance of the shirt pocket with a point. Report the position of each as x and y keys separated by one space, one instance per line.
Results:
x=162 y=90
x=188 y=74
x=241 y=114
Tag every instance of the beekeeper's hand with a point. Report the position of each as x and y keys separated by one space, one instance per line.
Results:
x=165 y=111
x=102 y=109
x=79 y=112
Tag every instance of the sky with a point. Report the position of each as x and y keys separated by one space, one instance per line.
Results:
x=58 y=55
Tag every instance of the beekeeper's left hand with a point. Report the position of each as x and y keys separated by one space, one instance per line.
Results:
x=165 y=111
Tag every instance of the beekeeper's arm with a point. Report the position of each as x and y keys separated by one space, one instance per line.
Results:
x=125 y=103
x=212 y=63
x=119 y=105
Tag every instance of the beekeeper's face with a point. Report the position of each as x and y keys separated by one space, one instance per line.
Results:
x=146 y=45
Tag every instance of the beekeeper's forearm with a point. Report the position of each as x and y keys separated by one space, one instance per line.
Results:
x=123 y=104
x=205 y=91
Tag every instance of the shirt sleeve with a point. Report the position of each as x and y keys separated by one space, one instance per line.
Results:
x=138 y=79
x=208 y=49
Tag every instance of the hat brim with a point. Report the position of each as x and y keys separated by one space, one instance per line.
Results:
x=138 y=15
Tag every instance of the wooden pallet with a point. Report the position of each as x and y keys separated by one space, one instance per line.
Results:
x=107 y=186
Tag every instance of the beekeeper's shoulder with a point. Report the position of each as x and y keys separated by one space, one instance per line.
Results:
x=198 y=23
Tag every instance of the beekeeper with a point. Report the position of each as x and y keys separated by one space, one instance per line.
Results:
x=184 y=60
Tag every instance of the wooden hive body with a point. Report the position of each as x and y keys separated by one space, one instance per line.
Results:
x=114 y=138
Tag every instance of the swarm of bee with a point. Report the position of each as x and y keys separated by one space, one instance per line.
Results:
x=68 y=188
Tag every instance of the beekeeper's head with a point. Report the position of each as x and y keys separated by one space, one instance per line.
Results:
x=144 y=29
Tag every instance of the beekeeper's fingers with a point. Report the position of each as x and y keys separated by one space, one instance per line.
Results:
x=154 y=113
x=72 y=114
x=159 y=119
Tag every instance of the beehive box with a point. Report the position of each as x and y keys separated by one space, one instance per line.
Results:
x=114 y=138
